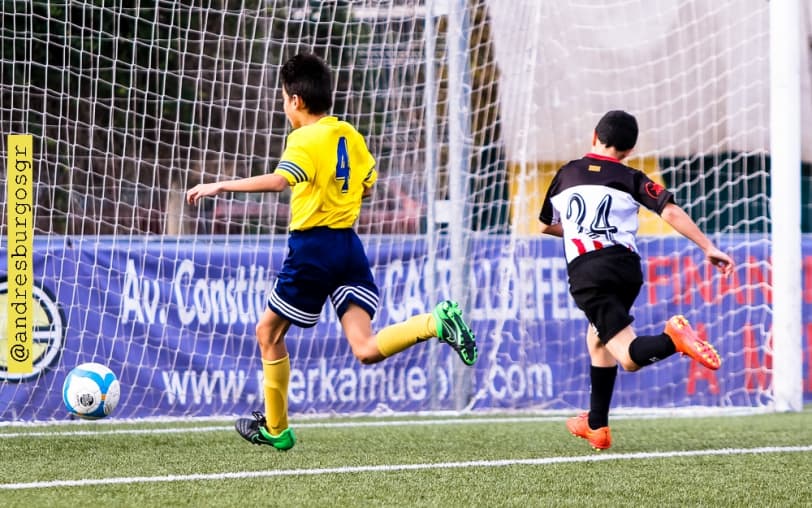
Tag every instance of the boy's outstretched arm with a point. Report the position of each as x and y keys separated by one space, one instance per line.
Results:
x=260 y=183
x=682 y=222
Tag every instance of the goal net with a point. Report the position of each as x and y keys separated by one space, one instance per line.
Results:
x=469 y=108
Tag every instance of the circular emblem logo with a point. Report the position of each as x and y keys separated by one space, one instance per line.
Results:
x=654 y=189
x=48 y=334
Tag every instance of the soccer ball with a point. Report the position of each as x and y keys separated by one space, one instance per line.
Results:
x=91 y=391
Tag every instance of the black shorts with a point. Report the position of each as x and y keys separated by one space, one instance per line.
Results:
x=322 y=263
x=605 y=283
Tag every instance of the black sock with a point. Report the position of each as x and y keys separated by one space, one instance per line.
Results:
x=647 y=349
x=602 y=381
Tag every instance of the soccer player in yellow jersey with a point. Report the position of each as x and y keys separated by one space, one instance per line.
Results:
x=328 y=165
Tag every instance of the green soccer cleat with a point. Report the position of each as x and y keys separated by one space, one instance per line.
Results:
x=255 y=432
x=454 y=331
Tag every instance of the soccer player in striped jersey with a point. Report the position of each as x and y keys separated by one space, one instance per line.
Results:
x=592 y=203
x=330 y=169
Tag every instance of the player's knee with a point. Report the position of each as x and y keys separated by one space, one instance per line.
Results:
x=367 y=352
x=365 y=358
x=366 y=355
x=262 y=331
x=265 y=335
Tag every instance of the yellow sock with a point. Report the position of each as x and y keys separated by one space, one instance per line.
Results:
x=395 y=338
x=275 y=386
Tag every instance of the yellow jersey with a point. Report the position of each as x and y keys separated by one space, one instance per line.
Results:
x=329 y=167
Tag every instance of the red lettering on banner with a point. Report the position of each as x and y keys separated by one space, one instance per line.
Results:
x=807 y=287
x=685 y=276
x=754 y=373
x=694 y=280
x=661 y=270
x=809 y=357
x=697 y=372
x=732 y=284
x=757 y=278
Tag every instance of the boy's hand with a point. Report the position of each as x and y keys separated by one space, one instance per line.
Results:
x=202 y=190
x=720 y=260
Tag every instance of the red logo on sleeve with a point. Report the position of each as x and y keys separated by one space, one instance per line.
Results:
x=654 y=189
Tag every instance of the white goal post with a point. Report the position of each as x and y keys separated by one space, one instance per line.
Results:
x=469 y=107
x=785 y=150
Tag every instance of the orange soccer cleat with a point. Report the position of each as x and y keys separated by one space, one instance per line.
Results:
x=599 y=439
x=687 y=342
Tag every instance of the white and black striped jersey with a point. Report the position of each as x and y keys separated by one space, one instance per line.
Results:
x=596 y=199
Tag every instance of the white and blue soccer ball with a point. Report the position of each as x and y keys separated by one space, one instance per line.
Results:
x=91 y=391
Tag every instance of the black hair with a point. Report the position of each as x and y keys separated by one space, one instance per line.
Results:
x=308 y=76
x=617 y=129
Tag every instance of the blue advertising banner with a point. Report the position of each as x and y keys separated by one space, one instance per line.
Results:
x=174 y=318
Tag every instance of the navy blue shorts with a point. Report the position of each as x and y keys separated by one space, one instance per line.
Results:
x=323 y=262
x=604 y=284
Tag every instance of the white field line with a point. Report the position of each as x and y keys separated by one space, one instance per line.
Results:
x=107 y=426
x=533 y=415
x=402 y=467
x=311 y=425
